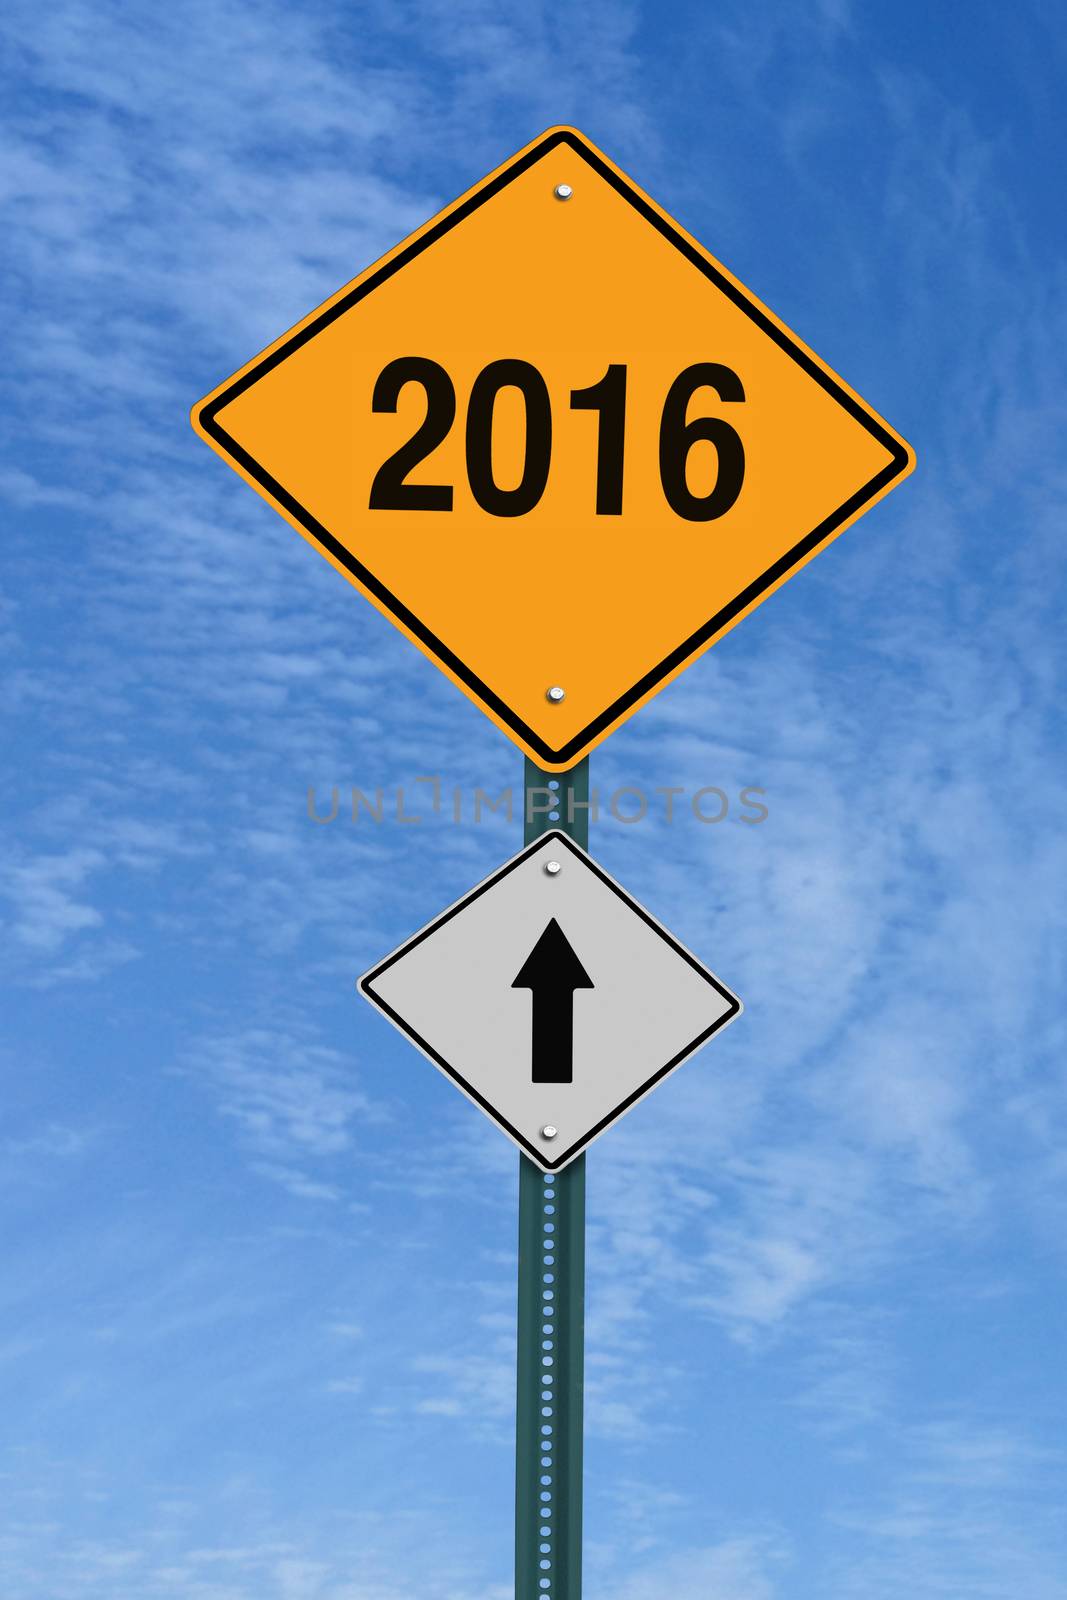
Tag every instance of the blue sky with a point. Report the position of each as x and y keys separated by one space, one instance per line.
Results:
x=257 y=1327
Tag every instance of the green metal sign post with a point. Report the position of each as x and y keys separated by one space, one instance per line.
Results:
x=551 y=1319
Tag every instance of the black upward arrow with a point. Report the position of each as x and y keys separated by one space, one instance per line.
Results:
x=552 y=972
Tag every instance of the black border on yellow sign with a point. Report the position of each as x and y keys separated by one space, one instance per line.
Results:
x=573 y=749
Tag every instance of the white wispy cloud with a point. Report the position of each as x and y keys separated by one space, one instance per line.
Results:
x=735 y=1569
x=294 y=1101
x=970 y=1510
x=47 y=912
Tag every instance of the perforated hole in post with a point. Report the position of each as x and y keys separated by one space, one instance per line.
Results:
x=546 y=1477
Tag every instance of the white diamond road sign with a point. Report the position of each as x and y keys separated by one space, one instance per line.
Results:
x=551 y=998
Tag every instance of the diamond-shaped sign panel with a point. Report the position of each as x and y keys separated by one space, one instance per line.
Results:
x=551 y=998
x=553 y=368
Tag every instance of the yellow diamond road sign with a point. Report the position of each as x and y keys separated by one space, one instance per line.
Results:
x=556 y=442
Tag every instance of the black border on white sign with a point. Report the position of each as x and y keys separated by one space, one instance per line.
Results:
x=453 y=1071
